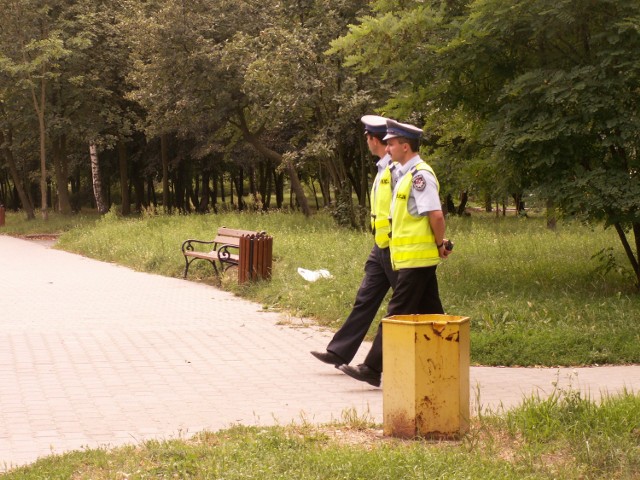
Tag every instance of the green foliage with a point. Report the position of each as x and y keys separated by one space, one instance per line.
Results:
x=557 y=85
x=528 y=95
x=400 y=46
x=584 y=97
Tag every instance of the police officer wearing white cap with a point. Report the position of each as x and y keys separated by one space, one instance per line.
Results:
x=379 y=275
x=417 y=242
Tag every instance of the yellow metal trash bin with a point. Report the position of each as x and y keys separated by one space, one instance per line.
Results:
x=426 y=375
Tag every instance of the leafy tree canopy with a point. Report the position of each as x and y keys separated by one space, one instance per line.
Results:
x=535 y=93
x=557 y=85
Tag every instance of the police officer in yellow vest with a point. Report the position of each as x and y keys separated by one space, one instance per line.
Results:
x=379 y=276
x=416 y=243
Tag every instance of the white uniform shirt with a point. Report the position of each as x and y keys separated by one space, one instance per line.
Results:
x=420 y=202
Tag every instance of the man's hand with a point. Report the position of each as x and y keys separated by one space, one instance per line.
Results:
x=445 y=248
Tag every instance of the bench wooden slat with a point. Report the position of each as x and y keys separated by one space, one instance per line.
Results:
x=232 y=232
x=213 y=255
x=228 y=240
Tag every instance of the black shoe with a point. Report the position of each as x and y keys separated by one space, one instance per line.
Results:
x=329 y=357
x=362 y=373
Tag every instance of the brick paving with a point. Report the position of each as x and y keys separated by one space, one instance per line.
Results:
x=98 y=355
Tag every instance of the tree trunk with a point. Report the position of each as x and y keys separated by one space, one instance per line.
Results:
x=517 y=199
x=240 y=189
x=164 y=154
x=5 y=186
x=151 y=192
x=203 y=206
x=636 y=235
x=223 y=197
x=258 y=197
x=49 y=193
x=194 y=192
x=97 y=180
x=266 y=196
x=263 y=178
x=464 y=198
x=312 y=187
x=124 y=177
x=449 y=206
x=214 y=189
x=278 y=180
x=364 y=174
x=633 y=259
x=76 y=200
x=138 y=187
x=40 y=112
x=488 y=204
x=13 y=171
x=296 y=186
x=551 y=215
x=181 y=200
x=253 y=191
x=325 y=186
x=61 y=170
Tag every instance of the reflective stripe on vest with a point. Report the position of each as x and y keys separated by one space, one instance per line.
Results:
x=381 y=207
x=412 y=244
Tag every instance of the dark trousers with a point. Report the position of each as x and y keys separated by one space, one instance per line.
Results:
x=416 y=293
x=378 y=278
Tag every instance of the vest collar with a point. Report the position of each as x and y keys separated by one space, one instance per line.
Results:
x=384 y=162
x=402 y=169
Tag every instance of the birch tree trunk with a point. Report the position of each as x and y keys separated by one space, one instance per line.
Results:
x=97 y=180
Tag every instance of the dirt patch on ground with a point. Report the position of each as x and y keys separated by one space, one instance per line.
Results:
x=367 y=437
x=46 y=239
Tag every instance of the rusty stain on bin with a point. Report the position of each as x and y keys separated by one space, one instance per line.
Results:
x=402 y=426
x=452 y=336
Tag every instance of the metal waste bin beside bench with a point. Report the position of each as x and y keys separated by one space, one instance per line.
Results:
x=256 y=257
x=426 y=376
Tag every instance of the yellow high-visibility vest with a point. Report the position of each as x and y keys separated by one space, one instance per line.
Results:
x=381 y=208
x=413 y=244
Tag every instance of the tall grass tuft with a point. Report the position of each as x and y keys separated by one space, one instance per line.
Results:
x=603 y=438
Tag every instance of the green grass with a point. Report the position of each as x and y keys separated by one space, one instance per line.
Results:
x=564 y=437
x=18 y=225
x=534 y=296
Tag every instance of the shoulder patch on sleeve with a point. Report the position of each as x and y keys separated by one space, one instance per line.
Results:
x=419 y=183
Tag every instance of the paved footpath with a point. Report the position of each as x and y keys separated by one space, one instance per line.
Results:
x=97 y=355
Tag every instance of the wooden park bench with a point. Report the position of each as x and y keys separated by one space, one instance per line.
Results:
x=251 y=251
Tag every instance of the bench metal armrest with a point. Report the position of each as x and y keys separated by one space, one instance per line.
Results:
x=187 y=245
x=224 y=253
